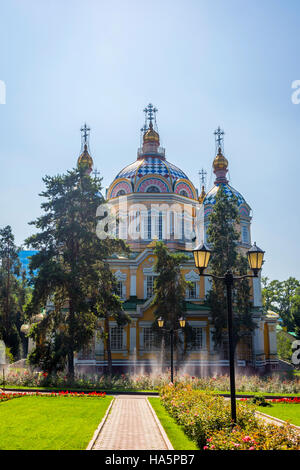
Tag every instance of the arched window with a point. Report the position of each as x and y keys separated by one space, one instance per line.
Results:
x=245 y=234
x=120 y=193
x=153 y=189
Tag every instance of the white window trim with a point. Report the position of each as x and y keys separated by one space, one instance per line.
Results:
x=122 y=277
x=203 y=325
x=148 y=272
x=124 y=348
x=143 y=325
x=193 y=277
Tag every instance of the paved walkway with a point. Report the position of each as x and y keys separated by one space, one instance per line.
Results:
x=130 y=425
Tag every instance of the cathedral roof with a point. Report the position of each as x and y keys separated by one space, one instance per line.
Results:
x=151 y=172
x=210 y=197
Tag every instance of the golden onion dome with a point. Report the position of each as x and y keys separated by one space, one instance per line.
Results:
x=220 y=162
x=151 y=135
x=85 y=159
x=202 y=195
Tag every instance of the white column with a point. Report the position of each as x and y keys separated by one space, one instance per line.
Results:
x=257 y=300
x=258 y=339
x=272 y=338
x=132 y=335
x=133 y=281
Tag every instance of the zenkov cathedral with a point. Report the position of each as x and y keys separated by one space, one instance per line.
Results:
x=155 y=200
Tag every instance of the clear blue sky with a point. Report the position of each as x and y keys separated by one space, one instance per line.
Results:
x=202 y=63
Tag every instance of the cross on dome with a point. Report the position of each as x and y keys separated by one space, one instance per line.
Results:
x=219 y=138
x=85 y=133
x=150 y=113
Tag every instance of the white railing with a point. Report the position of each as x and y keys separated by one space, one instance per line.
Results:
x=160 y=151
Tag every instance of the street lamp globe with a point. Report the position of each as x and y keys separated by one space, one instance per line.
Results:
x=160 y=322
x=255 y=258
x=182 y=322
x=201 y=256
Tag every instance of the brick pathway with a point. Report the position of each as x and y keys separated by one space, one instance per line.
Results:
x=130 y=426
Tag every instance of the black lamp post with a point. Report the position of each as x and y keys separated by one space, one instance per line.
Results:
x=160 y=322
x=255 y=259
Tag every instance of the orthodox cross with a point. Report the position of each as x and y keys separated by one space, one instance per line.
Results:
x=85 y=133
x=96 y=173
x=150 y=113
x=143 y=130
x=202 y=176
x=219 y=138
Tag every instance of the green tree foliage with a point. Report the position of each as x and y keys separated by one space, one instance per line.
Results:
x=295 y=311
x=169 y=291
x=109 y=305
x=278 y=296
x=70 y=264
x=13 y=293
x=222 y=238
x=284 y=346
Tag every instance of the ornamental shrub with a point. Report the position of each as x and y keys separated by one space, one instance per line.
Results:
x=201 y=413
x=206 y=419
x=262 y=437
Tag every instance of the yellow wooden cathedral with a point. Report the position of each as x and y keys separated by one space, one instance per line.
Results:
x=152 y=199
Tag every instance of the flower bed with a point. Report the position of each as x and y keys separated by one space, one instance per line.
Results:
x=286 y=400
x=9 y=395
x=259 y=437
x=244 y=384
x=206 y=419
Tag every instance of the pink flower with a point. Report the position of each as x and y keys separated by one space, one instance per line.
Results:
x=251 y=448
x=246 y=438
x=205 y=447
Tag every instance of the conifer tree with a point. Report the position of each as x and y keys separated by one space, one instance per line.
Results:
x=169 y=291
x=223 y=237
x=12 y=292
x=69 y=265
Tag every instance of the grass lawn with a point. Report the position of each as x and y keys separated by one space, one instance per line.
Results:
x=175 y=433
x=112 y=390
x=285 y=411
x=45 y=423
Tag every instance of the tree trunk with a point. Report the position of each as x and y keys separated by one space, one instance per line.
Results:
x=71 y=365
x=107 y=344
x=71 y=348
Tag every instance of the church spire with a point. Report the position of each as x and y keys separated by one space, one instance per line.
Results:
x=85 y=159
x=220 y=163
x=151 y=140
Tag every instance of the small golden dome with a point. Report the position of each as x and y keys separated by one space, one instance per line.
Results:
x=202 y=195
x=220 y=162
x=85 y=159
x=151 y=135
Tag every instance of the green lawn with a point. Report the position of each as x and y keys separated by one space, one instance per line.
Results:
x=285 y=411
x=115 y=390
x=45 y=423
x=175 y=433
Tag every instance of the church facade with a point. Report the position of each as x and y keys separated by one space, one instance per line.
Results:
x=152 y=199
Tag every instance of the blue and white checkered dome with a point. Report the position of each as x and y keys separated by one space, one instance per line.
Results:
x=152 y=174
x=210 y=197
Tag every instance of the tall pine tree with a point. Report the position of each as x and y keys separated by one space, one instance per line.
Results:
x=12 y=293
x=69 y=266
x=223 y=238
x=170 y=292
